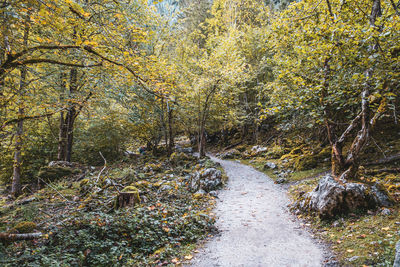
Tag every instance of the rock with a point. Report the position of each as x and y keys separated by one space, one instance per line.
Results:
x=230 y=154
x=213 y=194
x=208 y=180
x=386 y=212
x=25 y=227
x=270 y=165
x=380 y=195
x=354 y=258
x=331 y=198
x=281 y=181
x=53 y=173
x=397 y=256
x=179 y=158
x=186 y=150
x=64 y=164
x=258 y=149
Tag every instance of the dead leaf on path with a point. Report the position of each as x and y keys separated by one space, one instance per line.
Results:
x=350 y=250
x=188 y=257
x=244 y=193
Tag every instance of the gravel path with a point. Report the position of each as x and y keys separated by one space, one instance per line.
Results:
x=256 y=228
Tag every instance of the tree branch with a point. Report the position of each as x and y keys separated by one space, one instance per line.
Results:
x=12 y=121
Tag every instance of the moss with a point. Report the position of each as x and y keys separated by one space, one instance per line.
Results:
x=198 y=196
x=25 y=227
x=130 y=189
x=275 y=152
x=307 y=162
x=54 y=173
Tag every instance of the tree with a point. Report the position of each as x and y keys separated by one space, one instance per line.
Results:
x=325 y=65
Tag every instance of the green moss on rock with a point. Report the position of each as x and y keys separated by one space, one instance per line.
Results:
x=25 y=227
x=54 y=173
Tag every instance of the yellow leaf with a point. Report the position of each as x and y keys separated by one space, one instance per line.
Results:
x=188 y=257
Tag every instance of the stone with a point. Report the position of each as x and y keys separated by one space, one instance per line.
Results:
x=270 y=165
x=386 y=212
x=213 y=194
x=397 y=255
x=281 y=181
x=186 y=150
x=331 y=198
x=258 y=149
x=354 y=258
x=54 y=173
x=25 y=227
x=208 y=180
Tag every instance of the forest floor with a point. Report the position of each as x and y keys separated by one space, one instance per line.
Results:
x=256 y=228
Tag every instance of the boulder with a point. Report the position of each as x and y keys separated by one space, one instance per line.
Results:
x=397 y=256
x=54 y=173
x=208 y=180
x=331 y=198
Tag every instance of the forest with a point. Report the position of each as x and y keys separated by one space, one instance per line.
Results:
x=122 y=124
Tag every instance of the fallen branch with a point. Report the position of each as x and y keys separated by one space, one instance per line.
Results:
x=15 y=237
x=232 y=146
x=387 y=170
x=384 y=160
x=49 y=185
x=102 y=170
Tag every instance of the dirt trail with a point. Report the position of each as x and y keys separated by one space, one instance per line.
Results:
x=256 y=228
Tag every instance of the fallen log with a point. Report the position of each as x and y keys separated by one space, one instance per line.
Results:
x=16 y=237
x=232 y=146
x=384 y=160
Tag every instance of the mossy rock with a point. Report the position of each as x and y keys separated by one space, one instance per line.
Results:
x=25 y=227
x=179 y=157
x=55 y=173
x=198 y=196
x=307 y=162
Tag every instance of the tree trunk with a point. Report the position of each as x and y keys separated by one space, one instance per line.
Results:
x=171 y=142
x=62 y=131
x=202 y=142
x=164 y=125
x=14 y=237
x=71 y=114
x=16 y=178
x=345 y=168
